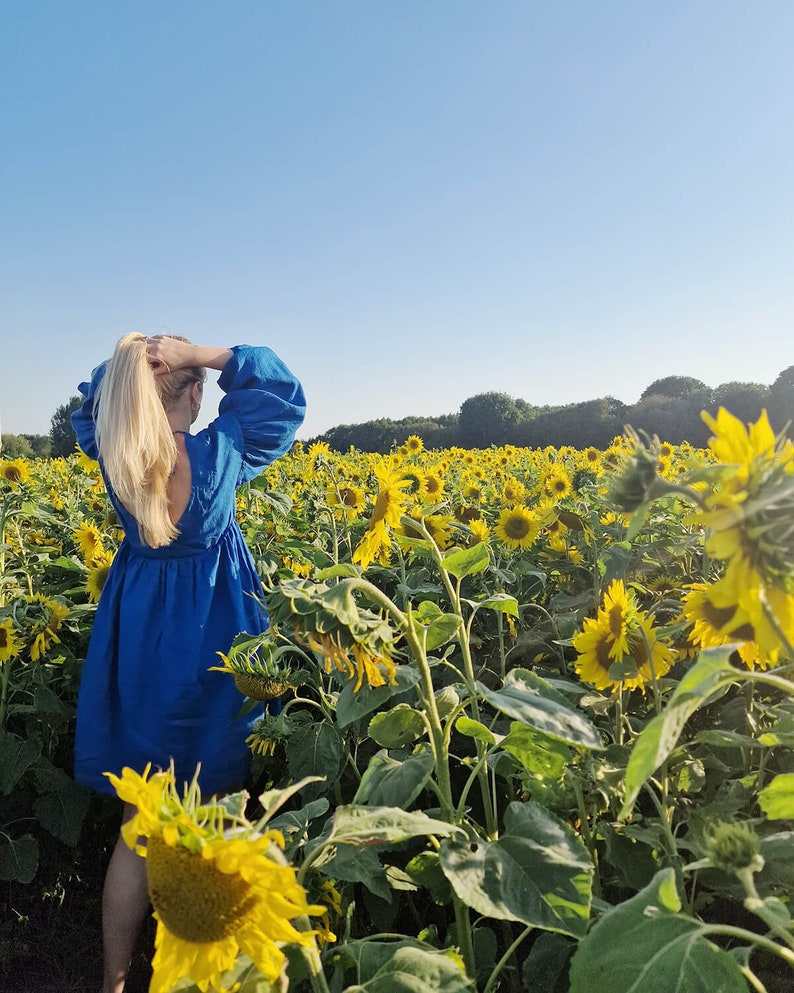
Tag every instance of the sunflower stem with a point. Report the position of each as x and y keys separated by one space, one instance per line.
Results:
x=313 y=960
x=497 y=969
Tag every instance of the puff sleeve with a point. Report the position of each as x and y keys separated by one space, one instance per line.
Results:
x=267 y=403
x=83 y=418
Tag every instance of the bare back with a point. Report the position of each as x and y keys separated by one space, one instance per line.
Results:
x=180 y=484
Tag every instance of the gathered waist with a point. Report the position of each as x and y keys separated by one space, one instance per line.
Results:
x=179 y=550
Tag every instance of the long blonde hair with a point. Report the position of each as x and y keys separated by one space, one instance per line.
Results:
x=135 y=440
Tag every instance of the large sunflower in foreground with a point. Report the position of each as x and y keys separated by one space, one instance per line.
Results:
x=216 y=891
x=618 y=648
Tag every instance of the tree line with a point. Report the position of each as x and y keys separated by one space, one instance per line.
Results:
x=669 y=407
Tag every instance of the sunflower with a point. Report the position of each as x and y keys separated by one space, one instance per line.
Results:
x=713 y=626
x=98 y=574
x=89 y=541
x=513 y=490
x=51 y=615
x=619 y=648
x=349 y=499
x=15 y=471
x=557 y=483
x=433 y=486
x=215 y=891
x=414 y=444
x=518 y=527
x=87 y=464
x=479 y=532
x=376 y=668
x=10 y=644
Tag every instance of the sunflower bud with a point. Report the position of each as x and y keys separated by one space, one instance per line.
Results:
x=734 y=847
x=633 y=487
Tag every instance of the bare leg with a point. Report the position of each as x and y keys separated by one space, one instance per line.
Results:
x=125 y=900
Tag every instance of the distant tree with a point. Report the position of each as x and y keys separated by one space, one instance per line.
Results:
x=62 y=434
x=594 y=422
x=743 y=400
x=40 y=443
x=676 y=387
x=16 y=446
x=488 y=419
x=672 y=420
x=781 y=401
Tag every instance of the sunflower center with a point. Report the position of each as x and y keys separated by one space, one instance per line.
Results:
x=12 y=474
x=382 y=504
x=195 y=901
x=717 y=617
x=616 y=620
x=516 y=527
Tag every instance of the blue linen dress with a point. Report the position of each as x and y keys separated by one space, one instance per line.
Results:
x=146 y=694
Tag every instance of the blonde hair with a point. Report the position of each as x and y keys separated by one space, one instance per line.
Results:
x=135 y=440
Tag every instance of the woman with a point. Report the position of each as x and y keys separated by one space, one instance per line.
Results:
x=183 y=582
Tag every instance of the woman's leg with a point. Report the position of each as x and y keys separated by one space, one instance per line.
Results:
x=125 y=900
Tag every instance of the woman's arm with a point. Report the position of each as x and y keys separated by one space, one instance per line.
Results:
x=167 y=354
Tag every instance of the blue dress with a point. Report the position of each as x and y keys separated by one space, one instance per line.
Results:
x=146 y=694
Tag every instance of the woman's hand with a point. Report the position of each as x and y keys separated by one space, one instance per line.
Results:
x=167 y=354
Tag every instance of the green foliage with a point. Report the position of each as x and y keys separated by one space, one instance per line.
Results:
x=62 y=436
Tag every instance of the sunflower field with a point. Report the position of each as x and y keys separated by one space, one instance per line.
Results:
x=536 y=726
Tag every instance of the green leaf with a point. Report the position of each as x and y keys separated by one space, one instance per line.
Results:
x=546 y=965
x=643 y=946
x=351 y=706
x=359 y=865
x=294 y=824
x=397 y=727
x=538 y=872
x=71 y=565
x=62 y=812
x=315 y=750
x=437 y=626
x=462 y=562
x=537 y=752
x=17 y=755
x=407 y=966
x=353 y=825
x=390 y=782
x=527 y=698
x=345 y=570
x=659 y=737
x=474 y=729
x=425 y=869
x=777 y=799
x=278 y=501
x=503 y=603
x=19 y=858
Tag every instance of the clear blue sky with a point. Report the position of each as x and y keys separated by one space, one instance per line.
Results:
x=411 y=201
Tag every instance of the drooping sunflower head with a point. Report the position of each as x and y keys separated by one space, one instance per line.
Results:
x=260 y=667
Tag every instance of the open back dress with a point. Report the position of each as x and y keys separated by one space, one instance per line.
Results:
x=146 y=694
